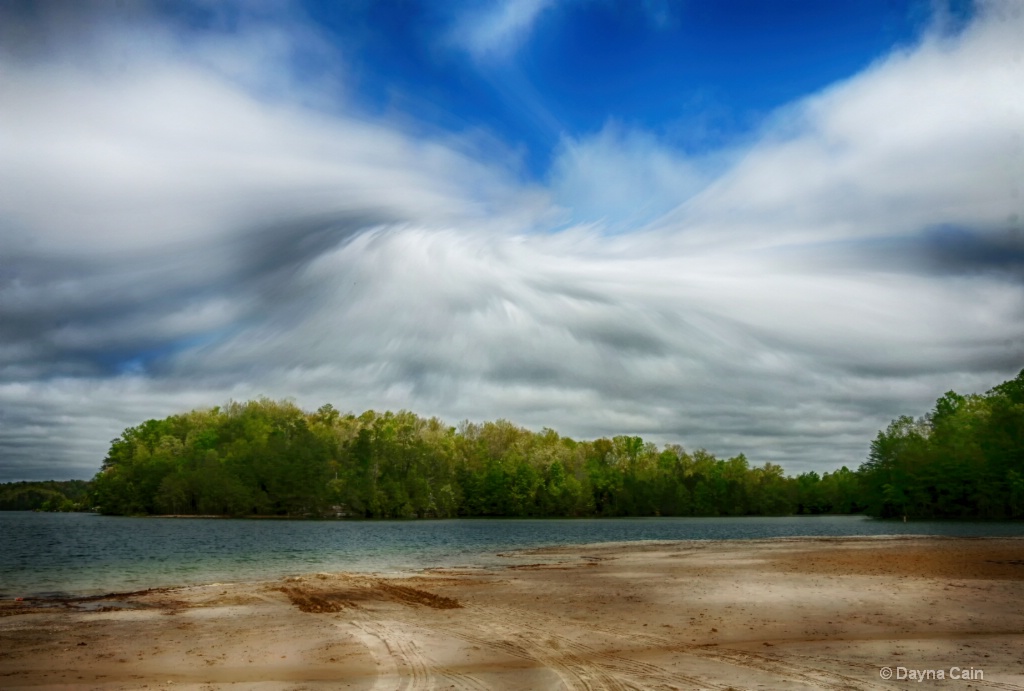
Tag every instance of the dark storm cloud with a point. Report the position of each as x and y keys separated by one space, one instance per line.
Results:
x=944 y=250
x=621 y=338
x=64 y=317
x=288 y=245
x=963 y=250
x=37 y=30
x=103 y=317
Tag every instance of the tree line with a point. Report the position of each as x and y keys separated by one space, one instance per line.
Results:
x=964 y=459
x=268 y=457
x=45 y=495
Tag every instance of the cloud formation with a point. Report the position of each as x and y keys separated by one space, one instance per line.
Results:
x=623 y=177
x=494 y=33
x=176 y=232
x=929 y=136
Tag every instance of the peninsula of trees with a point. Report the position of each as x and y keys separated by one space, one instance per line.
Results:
x=268 y=457
x=964 y=459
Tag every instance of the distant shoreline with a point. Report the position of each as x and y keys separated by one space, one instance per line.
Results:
x=359 y=519
x=630 y=546
x=94 y=556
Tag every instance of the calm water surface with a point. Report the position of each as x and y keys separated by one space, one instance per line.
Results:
x=78 y=554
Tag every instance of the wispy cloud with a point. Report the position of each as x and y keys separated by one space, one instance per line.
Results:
x=496 y=32
x=930 y=135
x=623 y=177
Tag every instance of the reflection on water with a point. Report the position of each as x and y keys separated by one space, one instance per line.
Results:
x=77 y=554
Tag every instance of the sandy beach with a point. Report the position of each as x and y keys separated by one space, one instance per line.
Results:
x=767 y=614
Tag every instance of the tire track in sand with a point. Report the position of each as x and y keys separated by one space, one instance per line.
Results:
x=636 y=670
x=574 y=677
x=787 y=669
x=581 y=667
x=402 y=664
x=815 y=676
x=401 y=667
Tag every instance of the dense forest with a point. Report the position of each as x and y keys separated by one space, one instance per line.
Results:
x=964 y=459
x=272 y=458
x=47 y=495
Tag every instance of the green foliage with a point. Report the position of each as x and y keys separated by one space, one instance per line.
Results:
x=48 y=495
x=271 y=458
x=965 y=459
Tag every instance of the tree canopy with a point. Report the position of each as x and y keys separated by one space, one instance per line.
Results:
x=45 y=495
x=964 y=459
x=269 y=457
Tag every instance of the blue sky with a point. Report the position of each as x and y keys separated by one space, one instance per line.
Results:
x=758 y=227
x=718 y=69
x=699 y=75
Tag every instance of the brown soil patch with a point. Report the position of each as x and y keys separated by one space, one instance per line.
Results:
x=416 y=596
x=318 y=602
x=955 y=559
x=320 y=594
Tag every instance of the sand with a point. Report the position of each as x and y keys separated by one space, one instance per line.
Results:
x=763 y=614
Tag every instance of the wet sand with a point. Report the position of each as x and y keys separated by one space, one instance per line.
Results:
x=764 y=614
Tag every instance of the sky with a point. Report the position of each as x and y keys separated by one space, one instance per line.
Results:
x=757 y=227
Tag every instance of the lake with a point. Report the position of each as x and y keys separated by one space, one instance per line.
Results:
x=46 y=554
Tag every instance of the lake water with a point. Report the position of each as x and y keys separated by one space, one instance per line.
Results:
x=82 y=554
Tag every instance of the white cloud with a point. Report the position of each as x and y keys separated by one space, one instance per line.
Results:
x=927 y=136
x=171 y=239
x=171 y=154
